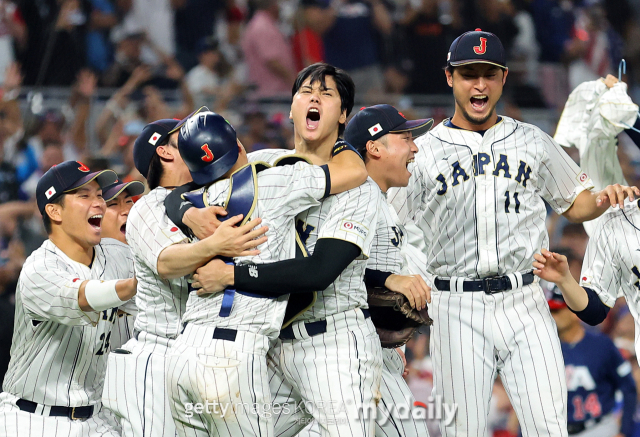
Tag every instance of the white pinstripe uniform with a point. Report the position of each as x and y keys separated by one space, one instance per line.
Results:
x=611 y=264
x=478 y=200
x=135 y=384
x=232 y=373
x=386 y=256
x=58 y=354
x=330 y=375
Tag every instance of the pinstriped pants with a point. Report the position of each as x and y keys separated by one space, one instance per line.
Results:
x=475 y=336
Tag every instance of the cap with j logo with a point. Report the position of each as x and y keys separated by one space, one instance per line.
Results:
x=477 y=47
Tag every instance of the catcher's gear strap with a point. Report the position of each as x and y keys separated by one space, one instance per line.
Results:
x=330 y=257
x=375 y=278
x=175 y=206
x=595 y=312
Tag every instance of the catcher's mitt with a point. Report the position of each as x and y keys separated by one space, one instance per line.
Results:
x=393 y=316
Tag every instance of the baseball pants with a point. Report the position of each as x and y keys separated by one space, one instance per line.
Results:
x=477 y=335
x=17 y=423
x=219 y=387
x=395 y=392
x=134 y=388
x=332 y=378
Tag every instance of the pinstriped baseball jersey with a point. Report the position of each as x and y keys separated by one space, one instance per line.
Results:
x=283 y=192
x=351 y=216
x=478 y=198
x=388 y=240
x=160 y=302
x=612 y=262
x=59 y=352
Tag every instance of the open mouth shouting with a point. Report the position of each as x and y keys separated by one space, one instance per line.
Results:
x=95 y=221
x=123 y=229
x=479 y=102
x=313 y=118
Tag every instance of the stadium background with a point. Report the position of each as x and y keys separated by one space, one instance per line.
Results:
x=80 y=78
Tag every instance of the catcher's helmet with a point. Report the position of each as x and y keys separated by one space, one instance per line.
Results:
x=208 y=145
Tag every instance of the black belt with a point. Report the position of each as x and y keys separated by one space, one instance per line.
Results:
x=219 y=333
x=578 y=427
x=73 y=413
x=490 y=285
x=313 y=328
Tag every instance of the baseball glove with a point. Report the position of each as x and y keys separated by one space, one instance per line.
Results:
x=393 y=317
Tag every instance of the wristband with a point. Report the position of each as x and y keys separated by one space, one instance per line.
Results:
x=341 y=146
x=102 y=295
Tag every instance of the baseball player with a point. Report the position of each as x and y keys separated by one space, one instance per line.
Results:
x=325 y=365
x=609 y=269
x=66 y=304
x=221 y=356
x=476 y=194
x=593 y=378
x=119 y=199
x=134 y=386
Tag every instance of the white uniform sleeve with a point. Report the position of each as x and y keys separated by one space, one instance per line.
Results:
x=149 y=232
x=49 y=292
x=385 y=251
x=293 y=189
x=353 y=217
x=601 y=270
x=561 y=180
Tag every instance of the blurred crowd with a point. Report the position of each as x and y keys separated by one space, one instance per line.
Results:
x=240 y=58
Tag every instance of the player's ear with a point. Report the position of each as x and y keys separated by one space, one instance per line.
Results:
x=373 y=148
x=54 y=211
x=449 y=75
x=504 y=77
x=166 y=152
x=241 y=149
x=343 y=117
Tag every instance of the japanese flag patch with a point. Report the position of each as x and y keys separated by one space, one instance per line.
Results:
x=50 y=192
x=154 y=138
x=375 y=129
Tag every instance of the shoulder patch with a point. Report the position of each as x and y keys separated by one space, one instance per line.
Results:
x=354 y=227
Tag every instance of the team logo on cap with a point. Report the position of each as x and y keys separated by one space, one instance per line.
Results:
x=83 y=167
x=50 y=192
x=208 y=156
x=154 y=138
x=482 y=48
x=375 y=129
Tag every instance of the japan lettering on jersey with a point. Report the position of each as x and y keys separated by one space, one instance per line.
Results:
x=478 y=198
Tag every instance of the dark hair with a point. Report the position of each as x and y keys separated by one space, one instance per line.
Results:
x=317 y=73
x=46 y=220
x=156 y=169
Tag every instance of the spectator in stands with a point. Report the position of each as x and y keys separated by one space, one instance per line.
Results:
x=267 y=52
x=56 y=44
x=308 y=47
x=13 y=32
x=52 y=154
x=156 y=19
x=128 y=43
x=193 y=20
x=425 y=38
x=203 y=80
x=350 y=31
x=102 y=19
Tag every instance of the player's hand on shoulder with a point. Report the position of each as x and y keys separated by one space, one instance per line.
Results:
x=203 y=222
x=551 y=266
x=231 y=241
x=615 y=195
x=212 y=277
x=412 y=287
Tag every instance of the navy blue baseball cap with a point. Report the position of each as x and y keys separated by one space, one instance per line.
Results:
x=133 y=188
x=375 y=121
x=477 y=47
x=208 y=145
x=153 y=135
x=66 y=177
